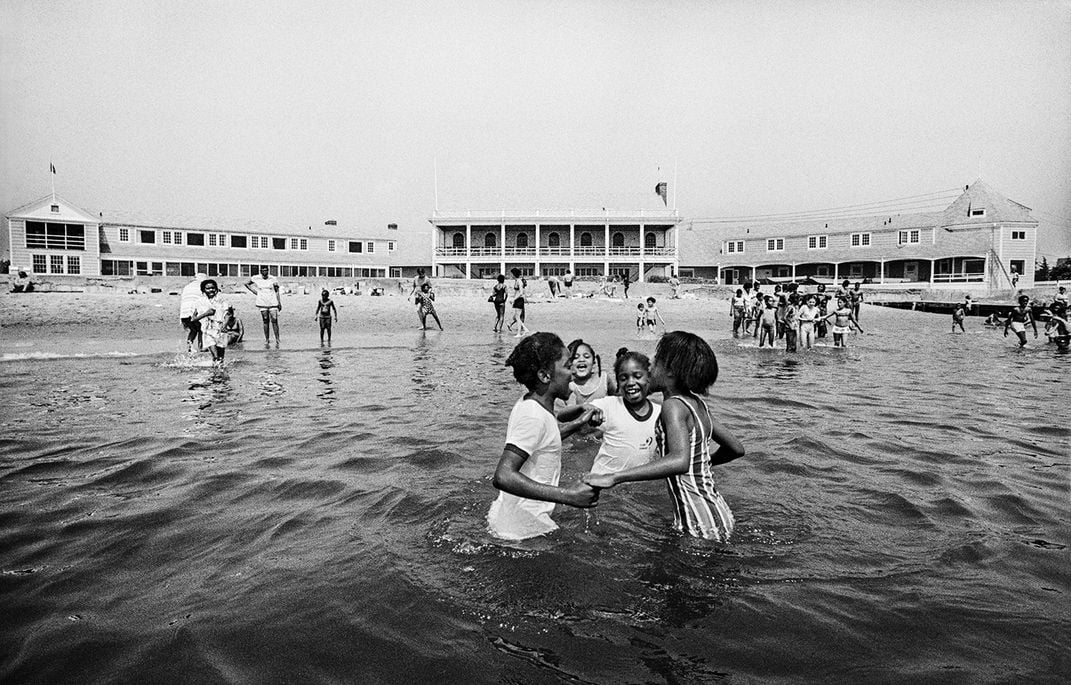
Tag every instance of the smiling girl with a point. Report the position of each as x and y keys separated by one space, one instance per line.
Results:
x=628 y=418
x=589 y=382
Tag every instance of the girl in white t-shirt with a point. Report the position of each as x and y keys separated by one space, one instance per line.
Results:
x=628 y=419
x=531 y=461
x=589 y=382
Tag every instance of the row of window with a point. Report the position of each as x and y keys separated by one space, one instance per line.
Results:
x=56 y=264
x=818 y=242
x=256 y=242
x=126 y=267
x=55 y=236
x=650 y=241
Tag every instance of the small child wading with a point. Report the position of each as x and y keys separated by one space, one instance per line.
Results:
x=324 y=308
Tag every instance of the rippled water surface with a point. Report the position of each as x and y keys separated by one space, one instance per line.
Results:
x=317 y=515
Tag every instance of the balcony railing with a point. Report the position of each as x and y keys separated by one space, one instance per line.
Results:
x=557 y=214
x=601 y=252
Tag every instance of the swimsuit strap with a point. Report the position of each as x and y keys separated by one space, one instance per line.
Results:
x=698 y=423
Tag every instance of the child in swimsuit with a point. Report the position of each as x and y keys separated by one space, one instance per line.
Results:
x=957 y=318
x=808 y=315
x=653 y=315
x=1058 y=318
x=324 y=308
x=587 y=385
x=768 y=322
x=519 y=285
x=531 y=462
x=843 y=321
x=738 y=311
x=1018 y=318
x=425 y=300
x=641 y=317
x=684 y=365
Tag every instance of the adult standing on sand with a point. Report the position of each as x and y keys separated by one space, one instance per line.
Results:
x=418 y=284
x=266 y=288
x=191 y=294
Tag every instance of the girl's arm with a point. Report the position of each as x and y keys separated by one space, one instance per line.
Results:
x=334 y=309
x=508 y=478
x=576 y=421
x=851 y=317
x=1033 y=323
x=675 y=419
x=729 y=447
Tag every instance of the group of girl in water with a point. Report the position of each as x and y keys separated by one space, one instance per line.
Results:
x=794 y=316
x=641 y=439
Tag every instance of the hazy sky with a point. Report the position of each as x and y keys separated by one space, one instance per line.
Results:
x=305 y=111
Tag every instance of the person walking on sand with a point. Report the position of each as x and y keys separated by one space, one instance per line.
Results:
x=188 y=300
x=519 y=285
x=626 y=279
x=266 y=288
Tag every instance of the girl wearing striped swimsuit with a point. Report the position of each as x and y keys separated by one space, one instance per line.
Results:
x=684 y=365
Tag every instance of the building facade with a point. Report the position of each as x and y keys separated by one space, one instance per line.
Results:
x=588 y=243
x=982 y=240
x=53 y=237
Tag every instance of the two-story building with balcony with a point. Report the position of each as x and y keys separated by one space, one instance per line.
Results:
x=471 y=244
x=982 y=240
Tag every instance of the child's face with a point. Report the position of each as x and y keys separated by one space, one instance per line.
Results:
x=769 y=302
x=650 y=302
x=583 y=362
x=811 y=301
x=560 y=376
x=633 y=381
x=211 y=290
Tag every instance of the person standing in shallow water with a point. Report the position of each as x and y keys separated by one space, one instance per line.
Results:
x=266 y=288
x=498 y=299
x=324 y=308
x=419 y=282
x=216 y=313
x=1018 y=318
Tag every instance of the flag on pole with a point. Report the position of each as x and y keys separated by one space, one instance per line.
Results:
x=660 y=189
x=52 y=167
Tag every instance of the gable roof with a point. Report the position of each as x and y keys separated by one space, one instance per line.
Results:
x=979 y=195
x=42 y=209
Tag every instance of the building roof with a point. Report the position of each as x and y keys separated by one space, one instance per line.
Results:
x=42 y=209
x=978 y=195
x=246 y=226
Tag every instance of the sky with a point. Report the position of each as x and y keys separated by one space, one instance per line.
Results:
x=376 y=113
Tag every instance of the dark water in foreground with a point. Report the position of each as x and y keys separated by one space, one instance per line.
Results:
x=314 y=515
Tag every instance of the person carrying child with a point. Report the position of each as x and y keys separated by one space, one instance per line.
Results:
x=530 y=466
x=324 y=308
x=425 y=300
x=684 y=366
x=653 y=316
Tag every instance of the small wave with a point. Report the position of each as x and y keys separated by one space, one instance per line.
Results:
x=45 y=356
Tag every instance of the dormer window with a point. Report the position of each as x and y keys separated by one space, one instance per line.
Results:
x=977 y=211
x=55 y=209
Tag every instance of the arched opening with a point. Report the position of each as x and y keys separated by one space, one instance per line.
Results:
x=490 y=240
x=617 y=240
x=585 y=239
x=522 y=240
x=459 y=240
x=649 y=241
x=554 y=240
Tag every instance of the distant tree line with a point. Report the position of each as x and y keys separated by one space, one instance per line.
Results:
x=1060 y=272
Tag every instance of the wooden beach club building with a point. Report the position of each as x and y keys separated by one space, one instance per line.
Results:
x=981 y=241
x=599 y=243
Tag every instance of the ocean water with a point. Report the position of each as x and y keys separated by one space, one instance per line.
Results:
x=314 y=514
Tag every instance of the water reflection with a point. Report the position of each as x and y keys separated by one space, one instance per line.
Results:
x=212 y=396
x=425 y=381
x=270 y=377
x=327 y=383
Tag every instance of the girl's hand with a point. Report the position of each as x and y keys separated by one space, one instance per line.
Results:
x=581 y=495
x=599 y=480
x=592 y=415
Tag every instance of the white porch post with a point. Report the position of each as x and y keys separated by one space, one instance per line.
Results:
x=503 y=248
x=537 y=272
x=836 y=273
x=606 y=249
x=881 y=277
x=932 y=263
x=434 y=245
x=468 y=250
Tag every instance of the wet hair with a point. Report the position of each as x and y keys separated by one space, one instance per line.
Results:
x=689 y=359
x=625 y=354
x=739 y=292
x=204 y=284
x=516 y=272
x=651 y=300
x=535 y=353
x=501 y=278
x=793 y=298
x=1024 y=299
x=575 y=345
x=638 y=306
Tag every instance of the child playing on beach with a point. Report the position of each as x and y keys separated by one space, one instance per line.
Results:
x=791 y=322
x=324 y=308
x=519 y=285
x=425 y=300
x=738 y=312
x=627 y=420
x=1018 y=318
x=1061 y=334
x=214 y=313
x=843 y=321
x=808 y=315
x=958 y=314
x=653 y=315
x=768 y=321
x=641 y=317
x=992 y=320
x=587 y=384
x=530 y=466
x=498 y=299
x=684 y=366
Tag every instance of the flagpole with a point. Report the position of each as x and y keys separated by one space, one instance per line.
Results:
x=52 y=175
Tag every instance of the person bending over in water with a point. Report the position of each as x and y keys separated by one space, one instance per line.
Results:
x=685 y=366
x=324 y=308
x=531 y=462
x=843 y=321
x=425 y=300
x=1018 y=317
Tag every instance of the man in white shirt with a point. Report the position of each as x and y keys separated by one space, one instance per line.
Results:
x=187 y=304
x=266 y=288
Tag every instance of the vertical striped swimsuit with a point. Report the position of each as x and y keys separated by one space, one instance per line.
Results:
x=698 y=509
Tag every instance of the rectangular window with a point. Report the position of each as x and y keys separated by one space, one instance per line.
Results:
x=371 y=247
x=55 y=236
x=278 y=243
x=124 y=235
x=734 y=246
x=817 y=242
x=211 y=239
x=330 y=245
x=860 y=240
x=978 y=212
x=356 y=246
x=293 y=244
x=238 y=241
x=197 y=239
x=1018 y=235
x=775 y=244
x=390 y=246
x=178 y=237
x=114 y=267
x=166 y=237
x=396 y=272
x=147 y=237
x=55 y=264
x=1017 y=266
x=908 y=237
x=74 y=265
x=39 y=263
x=303 y=244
